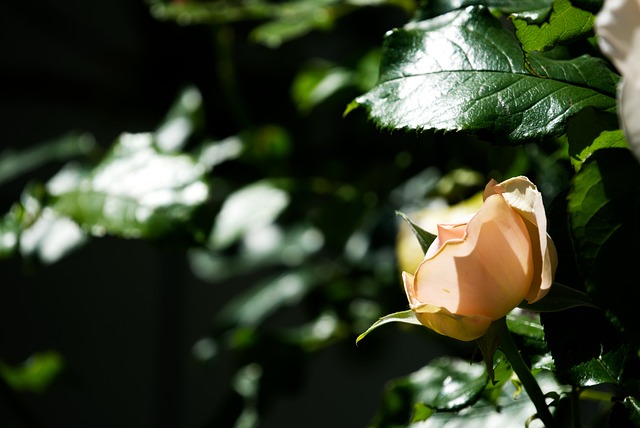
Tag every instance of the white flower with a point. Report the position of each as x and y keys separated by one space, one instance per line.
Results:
x=618 y=30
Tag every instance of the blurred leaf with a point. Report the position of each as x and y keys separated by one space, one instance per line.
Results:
x=566 y=24
x=181 y=121
x=314 y=85
x=247 y=210
x=285 y=20
x=214 y=153
x=604 y=209
x=21 y=216
x=325 y=329
x=14 y=164
x=35 y=374
x=265 y=298
x=525 y=323
x=134 y=192
x=559 y=298
x=606 y=368
x=443 y=74
x=295 y=19
x=425 y=239
x=408 y=317
x=10 y=230
x=51 y=237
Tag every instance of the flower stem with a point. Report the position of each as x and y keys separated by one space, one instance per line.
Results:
x=510 y=350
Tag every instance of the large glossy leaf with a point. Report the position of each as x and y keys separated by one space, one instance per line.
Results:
x=465 y=71
x=135 y=191
x=604 y=211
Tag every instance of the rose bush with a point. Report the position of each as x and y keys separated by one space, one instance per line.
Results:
x=618 y=29
x=476 y=272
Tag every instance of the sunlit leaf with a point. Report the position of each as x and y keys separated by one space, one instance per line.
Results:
x=135 y=192
x=465 y=71
x=510 y=409
x=566 y=24
x=35 y=374
x=445 y=384
x=408 y=317
x=606 y=368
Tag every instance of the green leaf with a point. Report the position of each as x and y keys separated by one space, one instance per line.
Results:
x=317 y=83
x=465 y=71
x=408 y=317
x=604 y=208
x=134 y=192
x=446 y=384
x=632 y=404
x=512 y=409
x=559 y=298
x=589 y=131
x=606 y=368
x=566 y=24
x=35 y=374
x=525 y=323
x=439 y=7
x=425 y=239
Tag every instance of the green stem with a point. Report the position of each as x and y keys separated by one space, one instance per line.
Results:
x=529 y=382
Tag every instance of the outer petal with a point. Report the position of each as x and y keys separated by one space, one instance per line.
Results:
x=444 y=322
x=523 y=196
x=487 y=273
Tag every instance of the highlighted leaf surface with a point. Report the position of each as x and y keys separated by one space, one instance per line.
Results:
x=463 y=71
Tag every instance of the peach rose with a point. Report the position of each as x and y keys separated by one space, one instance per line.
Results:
x=476 y=272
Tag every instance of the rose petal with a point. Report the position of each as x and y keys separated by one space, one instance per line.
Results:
x=523 y=196
x=442 y=321
x=446 y=232
x=488 y=273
